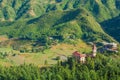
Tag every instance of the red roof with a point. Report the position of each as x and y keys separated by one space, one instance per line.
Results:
x=76 y=53
x=82 y=55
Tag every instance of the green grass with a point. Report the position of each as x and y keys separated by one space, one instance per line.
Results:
x=5 y=49
x=48 y=54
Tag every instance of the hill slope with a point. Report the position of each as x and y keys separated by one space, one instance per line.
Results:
x=61 y=25
x=61 y=20
x=112 y=27
x=11 y=10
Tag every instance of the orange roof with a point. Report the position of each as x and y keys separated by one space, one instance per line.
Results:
x=76 y=53
x=82 y=55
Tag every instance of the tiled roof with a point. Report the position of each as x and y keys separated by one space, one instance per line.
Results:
x=76 y=53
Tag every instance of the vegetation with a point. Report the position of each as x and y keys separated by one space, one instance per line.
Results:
x=99 y=68
x=26 y=9
x=114 y=27
x=37 y=26
x=60 y=26
x=61 y=20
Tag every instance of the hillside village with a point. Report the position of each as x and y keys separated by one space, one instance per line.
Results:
x=78 y=53
x=110 y=47
x=81 y=57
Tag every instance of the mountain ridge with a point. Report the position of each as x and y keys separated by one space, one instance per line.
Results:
x=38 y=18
x=62 y=25
x=16 y=9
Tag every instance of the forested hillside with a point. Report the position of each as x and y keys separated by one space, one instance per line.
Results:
x=79 y=18
x=55 y=21
x=11 y=10
x=99 y=68
x=60 y=25
x=41 y=31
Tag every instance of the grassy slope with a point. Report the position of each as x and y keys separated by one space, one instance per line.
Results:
x=78 y=23
x=64 y=15
x=72 y=24
x=48 y=54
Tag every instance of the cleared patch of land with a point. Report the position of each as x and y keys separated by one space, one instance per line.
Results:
x=16 y=58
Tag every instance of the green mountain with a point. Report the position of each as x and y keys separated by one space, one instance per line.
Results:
x=60 y=25
x=61 y=20
x=54 y=29
x=11 y=10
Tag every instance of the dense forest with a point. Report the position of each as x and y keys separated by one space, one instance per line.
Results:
x=103 y=67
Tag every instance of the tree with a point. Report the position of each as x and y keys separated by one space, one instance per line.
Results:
x=93 y=75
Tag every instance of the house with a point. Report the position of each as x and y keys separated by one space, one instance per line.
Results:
x=93 y=53
x=112 y=47
x=62 y=57
x=94 y=50
x=50 y=38
x=82 y=57
x=79 y=57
